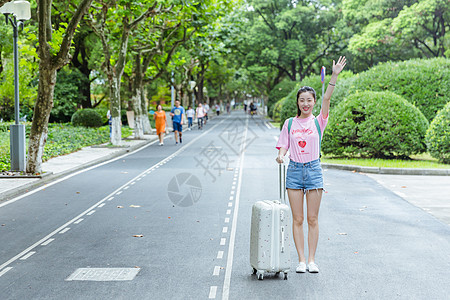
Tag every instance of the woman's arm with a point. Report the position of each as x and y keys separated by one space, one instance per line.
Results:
x=337 y=68
x=281 y=153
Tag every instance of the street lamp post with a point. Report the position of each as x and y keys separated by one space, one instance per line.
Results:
x=16 y=13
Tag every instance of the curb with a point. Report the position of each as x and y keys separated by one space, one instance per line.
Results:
x=391 y=171
x=8 y=195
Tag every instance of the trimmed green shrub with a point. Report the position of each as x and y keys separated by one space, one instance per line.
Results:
x=377 y=125
x=87 y=117
x=276 y=110
x=278 y=92
x=438 y=136
x=423 y=82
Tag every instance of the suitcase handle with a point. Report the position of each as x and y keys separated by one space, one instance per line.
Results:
x=282 y=181
x=282 y=239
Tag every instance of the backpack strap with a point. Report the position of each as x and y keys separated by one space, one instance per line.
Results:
x=320 y=135
x=289 y=128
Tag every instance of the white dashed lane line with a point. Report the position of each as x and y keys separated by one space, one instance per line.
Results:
x=3 y=272
x=220 y=255
x=101 y=205
x=212 y=292
x=47 y=242
x=64 y=230
x=27 y=255
x=216 y=271
x=223 y=241
x=78 y=222
x=91 y=213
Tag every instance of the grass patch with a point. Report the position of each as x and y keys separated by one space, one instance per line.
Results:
x=275 y=124
x=422 y=161
x=62 y=139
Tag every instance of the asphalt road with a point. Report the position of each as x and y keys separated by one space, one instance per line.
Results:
x=179 y=217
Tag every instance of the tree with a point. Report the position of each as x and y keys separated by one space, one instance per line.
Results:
x=103 y=20
x=53 y=52
x=291 y=36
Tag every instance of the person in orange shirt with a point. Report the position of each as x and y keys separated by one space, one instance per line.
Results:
x=160 y=123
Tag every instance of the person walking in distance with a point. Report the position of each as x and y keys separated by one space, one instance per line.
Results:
x=206 y=107
x=160 y=123
x=302 y=136
x=190 y=116
x=177 y=114
x=200 y=111
x=217 y=109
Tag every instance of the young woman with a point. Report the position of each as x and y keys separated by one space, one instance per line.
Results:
x=304 y=174
x=201 y=113
x=160 y=123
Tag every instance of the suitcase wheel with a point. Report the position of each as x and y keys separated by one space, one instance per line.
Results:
x=285 y=276
x=260 y=275
x=254 y=271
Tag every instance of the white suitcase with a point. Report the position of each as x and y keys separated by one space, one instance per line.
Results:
x=269 y=238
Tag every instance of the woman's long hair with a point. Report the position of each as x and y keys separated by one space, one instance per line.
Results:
x=304 y=89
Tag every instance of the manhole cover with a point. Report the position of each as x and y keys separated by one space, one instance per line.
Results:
x=104 y=274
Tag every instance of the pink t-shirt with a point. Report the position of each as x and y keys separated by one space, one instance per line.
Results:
x=303 y=140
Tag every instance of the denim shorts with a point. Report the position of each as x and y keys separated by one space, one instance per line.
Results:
x=177 y=126
x=307 y=176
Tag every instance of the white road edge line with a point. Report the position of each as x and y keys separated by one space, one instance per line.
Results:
x=229 y=267
x=2 y=266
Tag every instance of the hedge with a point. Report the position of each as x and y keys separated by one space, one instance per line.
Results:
x=87 y=117
x=278 y=92
x=377 y=125
x=438 y=136
x=423 y=82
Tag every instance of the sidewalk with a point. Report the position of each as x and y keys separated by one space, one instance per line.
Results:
x=70 y=163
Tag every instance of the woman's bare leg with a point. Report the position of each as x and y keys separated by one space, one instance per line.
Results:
x=313 y=199
x=296 y=201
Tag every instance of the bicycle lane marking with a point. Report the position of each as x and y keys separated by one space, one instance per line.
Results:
x=229 y=266
x=91 y=209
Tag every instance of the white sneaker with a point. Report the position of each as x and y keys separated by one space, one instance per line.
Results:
x=301 y=267
x=313 y=268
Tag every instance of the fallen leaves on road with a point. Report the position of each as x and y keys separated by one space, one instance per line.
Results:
x=123 y=172
x=403 y=186
x=356 y=252
x=119 y=206
x=3 y=224
x=138 y=235
x=342 y=233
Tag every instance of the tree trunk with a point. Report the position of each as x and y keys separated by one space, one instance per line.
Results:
x=48 y=66
x=116 y=133
x=146 y=126
x=42 y=109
